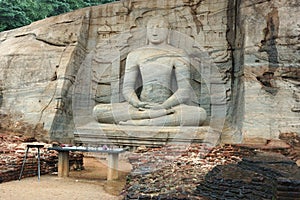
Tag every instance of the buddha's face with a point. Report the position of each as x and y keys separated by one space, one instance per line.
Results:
x=157 y=31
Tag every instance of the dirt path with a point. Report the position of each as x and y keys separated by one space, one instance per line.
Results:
x=88 y=184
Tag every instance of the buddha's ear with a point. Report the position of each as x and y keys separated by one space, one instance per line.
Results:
x=169 y=37
x=147 y=41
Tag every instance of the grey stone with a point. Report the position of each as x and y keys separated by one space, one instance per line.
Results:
x=244 y=64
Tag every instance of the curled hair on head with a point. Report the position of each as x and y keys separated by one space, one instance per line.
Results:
x=159 y=18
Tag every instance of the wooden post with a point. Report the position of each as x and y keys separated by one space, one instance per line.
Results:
x=63 y=164
x=112 y=173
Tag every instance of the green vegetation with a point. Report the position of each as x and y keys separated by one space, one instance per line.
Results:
x=17 y=13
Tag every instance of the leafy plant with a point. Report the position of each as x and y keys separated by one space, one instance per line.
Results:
x=17 y=13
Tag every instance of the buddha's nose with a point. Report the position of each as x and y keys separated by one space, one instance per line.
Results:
x=154 y=31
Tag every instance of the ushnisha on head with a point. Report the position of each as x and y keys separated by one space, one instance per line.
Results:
x=157 y=30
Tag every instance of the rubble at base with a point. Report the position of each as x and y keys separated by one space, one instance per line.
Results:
x=174 y=171
x=198 y=171
x=264 y=176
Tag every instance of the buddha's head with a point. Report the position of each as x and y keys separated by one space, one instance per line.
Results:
x=157 y=30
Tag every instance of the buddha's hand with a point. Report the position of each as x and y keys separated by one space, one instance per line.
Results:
x=140 y=105
x=154 y=106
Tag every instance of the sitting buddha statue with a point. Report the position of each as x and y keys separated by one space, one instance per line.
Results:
x=158 y=63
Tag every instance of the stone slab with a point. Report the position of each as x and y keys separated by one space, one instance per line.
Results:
x=99 y=134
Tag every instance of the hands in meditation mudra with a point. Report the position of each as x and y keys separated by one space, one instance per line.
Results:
x=157 y=104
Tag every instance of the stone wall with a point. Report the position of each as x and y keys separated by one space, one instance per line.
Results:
x=55 y=70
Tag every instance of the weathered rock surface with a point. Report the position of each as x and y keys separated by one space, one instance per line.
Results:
x=271 y=67
x=39 y=63
x=55 y=70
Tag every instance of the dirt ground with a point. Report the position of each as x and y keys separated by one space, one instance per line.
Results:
x=88 y=184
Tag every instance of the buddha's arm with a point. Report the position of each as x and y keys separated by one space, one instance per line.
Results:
x=131 y=74
x=182 y=72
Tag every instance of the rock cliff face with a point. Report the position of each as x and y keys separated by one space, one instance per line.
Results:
x=271 y=67
x=54 y=70
x=39 y=64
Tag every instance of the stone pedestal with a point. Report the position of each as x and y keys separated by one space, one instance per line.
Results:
x=112 y=173
x=63 y=164
x=110 y=134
